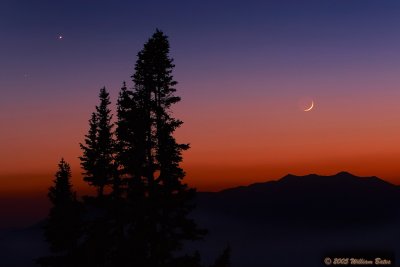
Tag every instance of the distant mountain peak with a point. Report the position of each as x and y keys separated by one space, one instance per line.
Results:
x=340 y=182
x=344 y=173
x=308 y=197
x=311 y=177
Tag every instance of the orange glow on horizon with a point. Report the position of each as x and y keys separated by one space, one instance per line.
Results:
x=215 y=177
x=233 y=142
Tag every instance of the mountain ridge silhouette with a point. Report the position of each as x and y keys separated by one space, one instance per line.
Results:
x=338 y=199
x=342 y=177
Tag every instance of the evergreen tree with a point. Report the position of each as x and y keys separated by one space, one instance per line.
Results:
x=89 y=158
x=130 y=135
x=98 y=150
x=100 y=170
x=168 y=200
x=130 y=139
x=62 y=228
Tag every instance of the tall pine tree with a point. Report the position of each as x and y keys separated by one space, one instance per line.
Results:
x=131 y=139
x=168 y=199
x=99 y=149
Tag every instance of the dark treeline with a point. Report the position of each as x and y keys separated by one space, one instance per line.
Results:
x=139 y=214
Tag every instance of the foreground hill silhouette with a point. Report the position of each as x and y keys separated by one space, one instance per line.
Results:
x=298 y=220
x=293 y=221
x=312 y=199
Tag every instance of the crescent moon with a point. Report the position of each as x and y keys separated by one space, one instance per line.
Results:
x=311 y=107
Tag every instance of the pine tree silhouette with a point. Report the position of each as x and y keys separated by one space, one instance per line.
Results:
x=163 y=224
x=131 y=141
x=63 y=225
x=89 y=158
x=98 y=150
x=61 y=229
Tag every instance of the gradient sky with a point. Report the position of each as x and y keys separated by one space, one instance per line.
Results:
x=245 y=69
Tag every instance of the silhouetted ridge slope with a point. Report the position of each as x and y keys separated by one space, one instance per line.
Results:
x=312 y=198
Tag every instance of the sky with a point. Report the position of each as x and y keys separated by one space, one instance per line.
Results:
x=246 y=71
